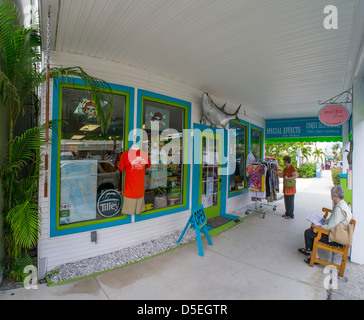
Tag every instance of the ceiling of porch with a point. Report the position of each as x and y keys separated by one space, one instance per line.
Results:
x=272 y=56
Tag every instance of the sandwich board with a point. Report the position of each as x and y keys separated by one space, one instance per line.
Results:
x=197 y=221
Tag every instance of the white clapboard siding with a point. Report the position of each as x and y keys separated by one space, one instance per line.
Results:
x=70 y=248
x=238 y=203
x=76 y=247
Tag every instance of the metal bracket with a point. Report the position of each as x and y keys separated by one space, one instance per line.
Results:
x=349 y=98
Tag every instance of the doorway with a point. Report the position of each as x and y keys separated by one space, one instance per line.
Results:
x=210 y=179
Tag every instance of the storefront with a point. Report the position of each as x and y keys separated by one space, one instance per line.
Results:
x=141 y=50
x=191 y=164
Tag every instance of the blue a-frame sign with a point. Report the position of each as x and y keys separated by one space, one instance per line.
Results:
x=198 y=221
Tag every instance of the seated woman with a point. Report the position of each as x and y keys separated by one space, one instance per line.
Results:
x=337 y=216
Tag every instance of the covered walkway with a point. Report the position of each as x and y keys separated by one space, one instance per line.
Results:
x=256 y=259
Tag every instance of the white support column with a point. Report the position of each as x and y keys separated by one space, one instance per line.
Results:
x=357 y=254
x=345 y=133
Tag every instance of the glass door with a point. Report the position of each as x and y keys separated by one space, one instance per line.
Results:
x=210 y=181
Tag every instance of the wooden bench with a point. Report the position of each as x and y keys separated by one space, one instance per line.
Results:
x=338 y=249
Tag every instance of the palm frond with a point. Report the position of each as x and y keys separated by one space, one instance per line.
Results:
x=19 y=52
x=18 y=265
x=25 y=223
x=22 y=148
x=9 y=18
x=100 y=90
x=25 y=148
x=11 y=90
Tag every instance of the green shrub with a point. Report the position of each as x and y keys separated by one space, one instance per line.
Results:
x=307 y=170
x=335 y=175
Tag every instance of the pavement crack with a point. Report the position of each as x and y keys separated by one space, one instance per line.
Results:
x=102 y=288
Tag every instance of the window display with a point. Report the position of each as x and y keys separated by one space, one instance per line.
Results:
x=133 y=162
x=163 y=123
x=238 y=177
x=257 y=143
x=89 y=157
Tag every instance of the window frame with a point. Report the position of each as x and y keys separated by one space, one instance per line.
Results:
x=253 y=127
x=247 y=140
x=56 y=229
x=174 y=102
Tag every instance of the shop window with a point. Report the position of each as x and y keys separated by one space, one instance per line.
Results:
x=163 y=123
x=89 y=157
x=238 y=176
x=257 y=143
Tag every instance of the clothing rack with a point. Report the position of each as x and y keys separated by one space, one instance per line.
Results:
x=264 y=184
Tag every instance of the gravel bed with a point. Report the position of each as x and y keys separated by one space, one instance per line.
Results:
x=119 y=258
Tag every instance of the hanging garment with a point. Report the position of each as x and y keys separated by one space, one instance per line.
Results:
x=134 y=163
x=268 y=182
x=256 y=183
x=255 y=173
x=250 y=159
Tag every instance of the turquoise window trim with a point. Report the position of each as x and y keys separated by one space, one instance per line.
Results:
x=235 y=193
x=142 y=94
x=249 y=138
x=252 y=126
x=249 y=127
x=55 y=229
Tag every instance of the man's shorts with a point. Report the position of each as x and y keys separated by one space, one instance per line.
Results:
x=133 y=206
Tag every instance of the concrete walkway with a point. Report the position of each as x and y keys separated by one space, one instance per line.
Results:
x=257 y=259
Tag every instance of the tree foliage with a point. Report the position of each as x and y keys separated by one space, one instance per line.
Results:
x=281 y=149
x=318 y=155
x=20 y=75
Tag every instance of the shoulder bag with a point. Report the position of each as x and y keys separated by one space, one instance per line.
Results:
x=342 y=234
x=289 y=183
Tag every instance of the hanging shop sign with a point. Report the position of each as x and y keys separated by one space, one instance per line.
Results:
x=335 y=112
x=333 y=115
x=109 y=203
x=198 y=221
x=300 y=128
